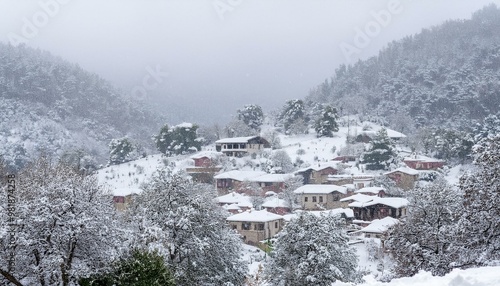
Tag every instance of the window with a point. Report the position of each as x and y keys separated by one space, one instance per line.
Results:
x=259 y=226
x=235 y=226
x=275 y=224
x=314 y=199
x=320 y=199
x=306 y=199
x=245 y=226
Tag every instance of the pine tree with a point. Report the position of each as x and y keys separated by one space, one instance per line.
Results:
x=120 y=151
x=139 y=268
x=312 y=250
x=252 y=116
x=480 y=221
x=327 y=123
x=425 y=239
x=179 y=139
x=292 y=112
x=381 y=152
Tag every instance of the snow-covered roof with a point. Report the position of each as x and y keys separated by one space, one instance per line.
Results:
x=255 y=216
x=380 y=225
x=235 y=140
x=349 y=187
x=235 y=198
x=349 y=213
x=208 y=154
x=391 y=202
x=405 y=170
x=372 y=190
x=271 y=178
x=275 y=202
x=421 y=158
x=394 y=134
x=357 y=198
x=320 y=189
x=184 y=125
x=231 y=207
x=319 y=166
x=123 y=192
x=240 y=175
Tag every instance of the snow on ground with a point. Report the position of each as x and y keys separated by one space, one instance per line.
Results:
x=314 y=149
x=453 y=174
x=254 y=257
x=484 y=276
x=132 y=175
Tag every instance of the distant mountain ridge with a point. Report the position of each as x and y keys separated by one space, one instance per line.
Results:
x=447 y=76
x=48 y=105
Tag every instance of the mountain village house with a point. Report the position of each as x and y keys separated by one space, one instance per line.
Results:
x=378 y=208
x=378 y=228
x=320 y=197
x=232 y=180
x=204 y=167
x=234 y=202
x=272 y=182
x=420 y=162
x=256 y=226
x=371 y=191
x=123 y=197
x=405 y=178
x=241 y=146
x=357 y=181
x=276 y=205
x=318 y=174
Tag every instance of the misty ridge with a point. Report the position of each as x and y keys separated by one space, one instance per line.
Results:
x=443 y=78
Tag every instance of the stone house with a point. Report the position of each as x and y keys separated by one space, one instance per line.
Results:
x=321 y=197
x=256 y=226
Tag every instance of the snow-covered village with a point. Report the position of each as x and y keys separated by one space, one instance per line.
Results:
x=238 y=143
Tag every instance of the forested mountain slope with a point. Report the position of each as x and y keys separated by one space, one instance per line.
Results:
x=50 y=106
x=443 y=76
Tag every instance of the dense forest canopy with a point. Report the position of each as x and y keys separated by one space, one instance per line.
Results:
x=443 y=76
x=48 y=105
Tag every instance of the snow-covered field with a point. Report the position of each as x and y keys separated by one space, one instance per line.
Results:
x=484 y=276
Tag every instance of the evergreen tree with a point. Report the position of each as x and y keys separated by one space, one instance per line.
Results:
x=312 y=250
x=237 y=128
x=425 y=239
x=120 y=151
x=292 y=112
x=139 y=268
x=252 y=116
x=327 y=123
x=179 y=139
x=479 y=236
x=488 y=129
x=380 y=154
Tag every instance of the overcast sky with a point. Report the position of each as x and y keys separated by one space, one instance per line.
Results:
x=203 y=59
